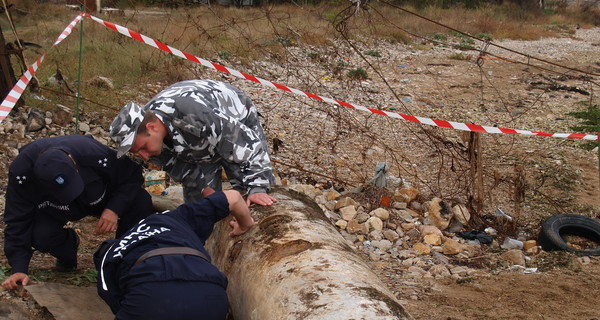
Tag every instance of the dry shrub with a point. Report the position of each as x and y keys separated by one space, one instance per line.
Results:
x=339 y=138
x=315 y=39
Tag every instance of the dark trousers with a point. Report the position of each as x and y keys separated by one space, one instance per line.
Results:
x=49 y=235
x=174 y=300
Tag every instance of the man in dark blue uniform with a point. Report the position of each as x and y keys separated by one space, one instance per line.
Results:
x=60 y=179
x=160 y=270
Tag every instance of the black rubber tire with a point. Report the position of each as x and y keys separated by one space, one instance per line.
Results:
x=550 y=237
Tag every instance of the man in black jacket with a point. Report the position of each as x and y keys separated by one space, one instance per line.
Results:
x=160 y=270
x=60 y=179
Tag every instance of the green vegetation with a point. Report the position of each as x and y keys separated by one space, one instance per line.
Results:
x=373 y=53
x=313 y=55
x=4 y=273
x=590 y=123
x=224 y=54
x=440 y=37
x=242 y=35
x=357 y=74
x=485 y=37
x=87 y=278
x=458 y=56
x=464 y=44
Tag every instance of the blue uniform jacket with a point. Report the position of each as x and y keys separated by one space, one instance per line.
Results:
x=187 y=226
x=108 y=184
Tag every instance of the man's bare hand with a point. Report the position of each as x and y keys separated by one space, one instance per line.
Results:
x=15 y=280
x=107 y=223
x=207 y=191
x=260 y=198
x=241 y=220
x=237 y=229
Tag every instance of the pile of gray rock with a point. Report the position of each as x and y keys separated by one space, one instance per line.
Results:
x=420 y=239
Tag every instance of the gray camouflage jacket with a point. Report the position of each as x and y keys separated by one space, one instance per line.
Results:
x=212 y=124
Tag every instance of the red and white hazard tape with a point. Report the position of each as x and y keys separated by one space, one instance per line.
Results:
x=433 y=122
x=16 y=92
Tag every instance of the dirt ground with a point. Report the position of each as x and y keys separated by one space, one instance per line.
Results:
x=564 y=286
x=558 y=294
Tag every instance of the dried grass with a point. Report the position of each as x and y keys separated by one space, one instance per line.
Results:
x=286 y=35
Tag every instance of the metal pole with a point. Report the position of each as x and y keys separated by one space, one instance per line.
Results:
x=79 y=74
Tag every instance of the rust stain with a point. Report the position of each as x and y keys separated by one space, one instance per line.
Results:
x=376 y=295
x=277 y=252
x=234 y=253
x=274 y=227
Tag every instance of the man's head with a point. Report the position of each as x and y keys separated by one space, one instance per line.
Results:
x=138 y=131
x=57 y=173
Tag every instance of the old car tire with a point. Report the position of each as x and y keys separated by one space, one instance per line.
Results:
x=555 y=227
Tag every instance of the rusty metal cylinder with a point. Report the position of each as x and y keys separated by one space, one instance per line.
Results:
x=294 y=264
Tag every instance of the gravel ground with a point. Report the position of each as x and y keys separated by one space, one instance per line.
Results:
x=328 y=146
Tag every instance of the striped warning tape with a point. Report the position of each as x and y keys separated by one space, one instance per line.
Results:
x=16 y=92
x=433 y=122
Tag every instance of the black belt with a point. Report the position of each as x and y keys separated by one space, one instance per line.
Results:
x=171 y=250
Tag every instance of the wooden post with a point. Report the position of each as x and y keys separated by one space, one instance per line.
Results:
x=7 y=79
x=519 y=191
x=476 y=171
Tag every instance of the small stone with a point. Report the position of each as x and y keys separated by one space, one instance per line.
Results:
x=510 y=243
x=380 y=213
x=342 y=224
x=404 y=215
x=362 y=217
x=383 y=245
x=584 y=260
x=374 y=256
x=514 y=257
x=439 y=271
x=101 y=82
x=439 y=213
x=375 y=223
x=407 y=226
x=376 y=235
x=416 y=270
x=432 y=239
x=356 y=227
x=399 y=205
x=84 y=127
x=332 y=195
x=451 y=247
x=529 y=244
x=422 y=248
x=408 y=194
x=428 y=229
x=413 y=234
x=391 y=235
x=459 y=271
x=348 y=212
x=345 y=201
x=461 y=213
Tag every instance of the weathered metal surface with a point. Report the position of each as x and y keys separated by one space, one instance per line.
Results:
x=67 y=302
x=294 y=264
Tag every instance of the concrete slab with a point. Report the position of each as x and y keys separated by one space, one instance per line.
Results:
x=67 y=302
x=11 y=311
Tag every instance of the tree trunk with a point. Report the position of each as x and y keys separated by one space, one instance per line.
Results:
x=294 y=264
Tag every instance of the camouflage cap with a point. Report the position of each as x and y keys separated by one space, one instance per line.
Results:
x=124 y=127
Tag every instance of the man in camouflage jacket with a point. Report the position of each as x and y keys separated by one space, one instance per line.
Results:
x=196 y=128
